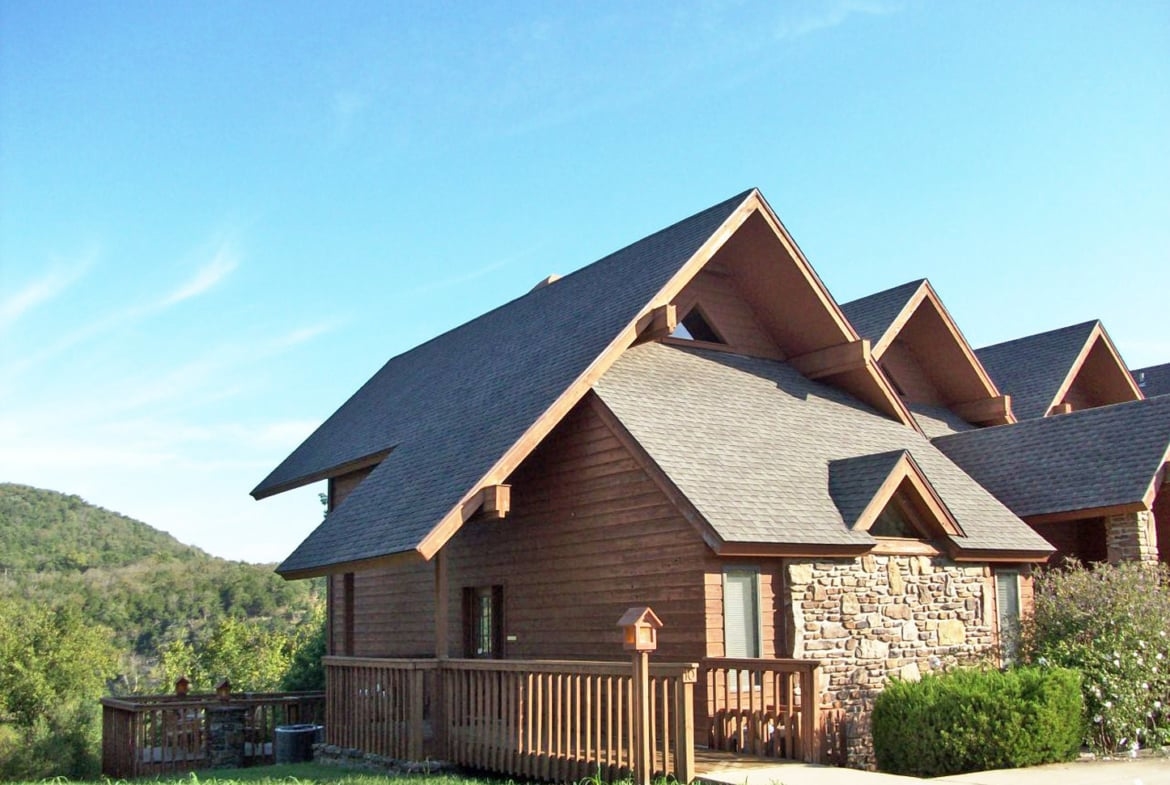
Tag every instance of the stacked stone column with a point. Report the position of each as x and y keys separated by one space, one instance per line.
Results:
x=1131 y=536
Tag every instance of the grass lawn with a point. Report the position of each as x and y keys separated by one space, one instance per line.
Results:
x=298 y=774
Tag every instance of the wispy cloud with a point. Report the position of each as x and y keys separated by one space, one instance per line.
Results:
x=832 y=15
x=206 y=278
x=42 y=290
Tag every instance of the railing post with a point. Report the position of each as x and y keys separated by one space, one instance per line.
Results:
x=417 y=702
x=439 y=710
x=684 y=726
x=810 y=713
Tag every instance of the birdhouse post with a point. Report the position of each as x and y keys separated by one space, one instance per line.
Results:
x=640 y=627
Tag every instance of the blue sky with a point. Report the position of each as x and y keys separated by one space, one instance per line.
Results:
x=218 y=219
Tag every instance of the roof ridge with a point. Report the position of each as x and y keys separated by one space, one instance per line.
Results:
x=1047 y=333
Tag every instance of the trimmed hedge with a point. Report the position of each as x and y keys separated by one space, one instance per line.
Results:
x=974 y=720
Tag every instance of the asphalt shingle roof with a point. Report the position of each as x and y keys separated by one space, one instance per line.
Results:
x=450 y=408
x=1085 y=460
x=853 y=482
x=750 y=442
x=1154 y=380
x=1032 y=369
x=873 y=314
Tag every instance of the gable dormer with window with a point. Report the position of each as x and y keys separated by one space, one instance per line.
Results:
x=887 y=496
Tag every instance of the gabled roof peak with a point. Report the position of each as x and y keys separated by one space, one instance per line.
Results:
x=1084 y=328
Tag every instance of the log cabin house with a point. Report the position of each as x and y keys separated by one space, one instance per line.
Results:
x=692 y=424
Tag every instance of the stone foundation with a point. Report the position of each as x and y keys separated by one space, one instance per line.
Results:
x=876 y=617
x=1131 y=536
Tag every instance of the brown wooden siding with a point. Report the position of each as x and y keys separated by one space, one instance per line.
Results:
x=773 y=613
x=589 y=535
x=728 y=313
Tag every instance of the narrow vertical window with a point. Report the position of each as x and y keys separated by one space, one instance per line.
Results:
x=483 y=622
x=1007 y=601
x=741 y=612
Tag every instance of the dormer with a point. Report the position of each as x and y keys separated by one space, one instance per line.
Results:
x=1060 y=371
x=926 y=358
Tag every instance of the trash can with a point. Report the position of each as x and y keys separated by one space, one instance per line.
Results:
x=294 y=743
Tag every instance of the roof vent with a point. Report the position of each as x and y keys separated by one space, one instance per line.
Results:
x=545 y=282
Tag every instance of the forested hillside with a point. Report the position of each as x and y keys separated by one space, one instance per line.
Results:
x=93 y=603
x=141 y=583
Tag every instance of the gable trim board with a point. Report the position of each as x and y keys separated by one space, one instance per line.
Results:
x=364 y=528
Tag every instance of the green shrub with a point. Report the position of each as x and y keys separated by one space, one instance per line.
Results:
x=1109 y=622
x=973 y=720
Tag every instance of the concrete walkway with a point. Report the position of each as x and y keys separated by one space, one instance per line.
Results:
x=1144 y=771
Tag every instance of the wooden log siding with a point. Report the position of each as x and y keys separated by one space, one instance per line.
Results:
x=757 y=707
x=551 y=720
x=146 y=736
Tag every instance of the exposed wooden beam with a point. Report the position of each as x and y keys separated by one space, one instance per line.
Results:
x=442 y=605
x=986 y=411
x=1061 y=408
x=833 y=360
x=658 y=323
x=497 y=501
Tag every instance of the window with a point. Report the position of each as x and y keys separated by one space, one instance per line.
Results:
x=894 y=522
x=483 y=622
x=1007 y=603
x=741 y=612
x=695 y=327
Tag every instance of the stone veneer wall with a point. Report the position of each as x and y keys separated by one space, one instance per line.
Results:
x=1131 y=536
x=875 y=617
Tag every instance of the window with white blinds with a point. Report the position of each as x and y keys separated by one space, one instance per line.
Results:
x=741 y=612
x=1007 y=601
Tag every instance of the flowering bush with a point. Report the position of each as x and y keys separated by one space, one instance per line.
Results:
x=1110 y=623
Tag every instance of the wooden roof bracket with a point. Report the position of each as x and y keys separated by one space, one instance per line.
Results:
x=832 y=360
x=660 y=322
x=986 y=411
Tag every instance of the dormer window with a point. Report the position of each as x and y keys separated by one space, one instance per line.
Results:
x=695 y=327
x=895 y=521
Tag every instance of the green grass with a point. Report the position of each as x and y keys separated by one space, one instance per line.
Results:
x=292 y=774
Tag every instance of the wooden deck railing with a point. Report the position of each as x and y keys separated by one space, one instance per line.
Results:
x=564 y=721
x=553 y=720
x=164 y=734
x=381 y=706
x=762 y=707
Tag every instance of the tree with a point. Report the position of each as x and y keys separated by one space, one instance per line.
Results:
x=53 y=669
x=252 y=657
